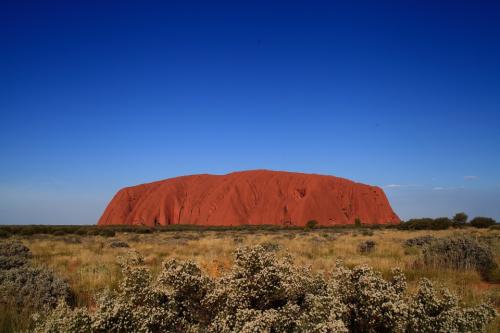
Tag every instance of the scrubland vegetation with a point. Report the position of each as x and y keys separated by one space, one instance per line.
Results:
x=297 y=296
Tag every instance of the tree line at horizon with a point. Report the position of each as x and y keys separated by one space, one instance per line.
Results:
x=459 y=220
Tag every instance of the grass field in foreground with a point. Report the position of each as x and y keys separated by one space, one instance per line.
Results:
x=88 y=263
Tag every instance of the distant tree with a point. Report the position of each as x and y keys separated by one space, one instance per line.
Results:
x=311 y=224
x=441 y=223
x=460 y=218
x=482 y=222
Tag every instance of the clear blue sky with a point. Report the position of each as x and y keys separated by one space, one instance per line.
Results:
x=93 y=97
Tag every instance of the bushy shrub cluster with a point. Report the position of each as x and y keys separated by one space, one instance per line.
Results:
x=420 y=241
x=110 y=231
x=460 y=252
x=440 y=223
x=117 y=243
x=482 y=222
x=13 y=255
x=366 y=246
x=24 y=287
x=56 y=230
x=366 y=232
x=4 y=233
x=266 y=293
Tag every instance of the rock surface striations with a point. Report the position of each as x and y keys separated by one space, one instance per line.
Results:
x=250 y=197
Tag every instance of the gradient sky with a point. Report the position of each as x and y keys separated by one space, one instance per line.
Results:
x=93 y=97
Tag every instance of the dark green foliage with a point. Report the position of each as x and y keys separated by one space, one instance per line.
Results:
x=107 y=233
x=440 y=223
x=357 y=222
x=482 y=222
x=460 y=252
x=311 y=224
x=81 y=231
x=460 y=218
x=4 y=233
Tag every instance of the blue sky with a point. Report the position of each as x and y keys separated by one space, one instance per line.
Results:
x=93 y=97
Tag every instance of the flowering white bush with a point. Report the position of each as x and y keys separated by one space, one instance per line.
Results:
x=460 y=252
x=24 y=287
x=266 y=293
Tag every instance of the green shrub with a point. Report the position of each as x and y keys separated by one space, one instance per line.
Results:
x=366 y=246
x=4 y=233
x=440 y=223
x=460 y=252
x=266 y=293
x=460 y=218
x=357 y=222
x=311 y=224
x=107 y=232
x=82 y=231
x=482 y=222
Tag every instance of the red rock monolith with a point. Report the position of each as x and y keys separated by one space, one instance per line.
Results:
x=250 y=197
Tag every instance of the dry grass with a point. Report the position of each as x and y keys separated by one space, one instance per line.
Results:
x=89 y=263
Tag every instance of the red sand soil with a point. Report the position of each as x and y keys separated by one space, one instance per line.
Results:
x=250 y=197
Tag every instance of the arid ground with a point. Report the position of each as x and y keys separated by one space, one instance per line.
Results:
x=89 y=265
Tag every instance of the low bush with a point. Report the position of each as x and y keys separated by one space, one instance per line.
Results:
x=420 y=241
x=28 y=287
x=11 y=262
x=14 y=249
x=72 y=240
x=107 y=232
x=366 y=246
x=311 y=224
x=116 y=244
x=266 y=293
x=441 y=223
x=366 y=232
x=460 y=252
x=270 y=246
x=23 y=287
x=482 y=222
x=4 y=233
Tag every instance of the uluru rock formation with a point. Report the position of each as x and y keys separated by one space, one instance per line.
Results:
x=250 y=197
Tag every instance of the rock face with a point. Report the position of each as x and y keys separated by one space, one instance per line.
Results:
x=250 y=197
